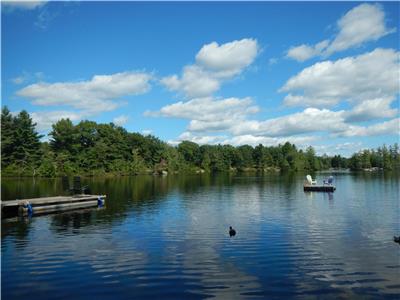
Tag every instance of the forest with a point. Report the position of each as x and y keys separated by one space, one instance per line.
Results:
x=91 y=149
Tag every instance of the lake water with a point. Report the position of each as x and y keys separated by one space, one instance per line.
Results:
x=167 y=238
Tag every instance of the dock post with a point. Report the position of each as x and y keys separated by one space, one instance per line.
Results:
x=100 y=202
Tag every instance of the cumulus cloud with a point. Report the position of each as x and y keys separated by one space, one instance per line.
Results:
x=253 y=140
x=214 y=64
x=120 y=120
x=371 y=109
x=209 y=114
x=95 y=95
x=390 y=127
x=194 y=82
x=313 y=120
x=45 y=119
x=231 y=117
x=207 y=109
x=347 y=148
x=368 y=76
x=213 y=125
x=227 y=59
x=304 y=52
x=363 y=23
x=242 y=139
x=200 y=139
x=308 y=121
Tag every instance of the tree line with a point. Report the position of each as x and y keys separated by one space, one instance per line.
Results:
x=92 y=149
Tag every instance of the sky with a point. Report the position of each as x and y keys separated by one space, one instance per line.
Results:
x=324 y=74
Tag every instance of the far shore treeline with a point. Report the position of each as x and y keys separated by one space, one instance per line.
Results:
x=92 y=149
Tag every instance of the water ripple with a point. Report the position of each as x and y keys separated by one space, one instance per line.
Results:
x=175 y=243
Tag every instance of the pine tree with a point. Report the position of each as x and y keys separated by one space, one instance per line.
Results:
x=64 y=137
x=312 y=163
x=7 y=137
x=26 y=152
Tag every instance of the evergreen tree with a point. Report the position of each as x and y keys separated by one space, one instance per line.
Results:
x=96 y=149
x=246 y=153
x=64 y=137
x=190 y=152
x=7 y=137
x=311 y=162
x=27 y=152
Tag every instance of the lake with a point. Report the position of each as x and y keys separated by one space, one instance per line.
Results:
x=167 y=237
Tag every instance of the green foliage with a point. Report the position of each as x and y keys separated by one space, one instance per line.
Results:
x=64 y=137
x=137 y=164
x=382 y=158
x=95 y=149
x=20 y=144
x=48 y=166
x=7 y=137
x=190 y=152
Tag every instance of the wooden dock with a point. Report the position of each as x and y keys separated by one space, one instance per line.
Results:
x=45 y=205
x=319 y=188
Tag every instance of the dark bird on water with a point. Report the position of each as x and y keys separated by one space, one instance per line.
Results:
x=232 y=232
x=396 y=239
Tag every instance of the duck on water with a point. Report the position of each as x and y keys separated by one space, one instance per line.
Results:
x=232 y=232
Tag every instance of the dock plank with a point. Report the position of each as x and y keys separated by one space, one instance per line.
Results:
x=51 y=200
x=61 y=207
x=319 y=188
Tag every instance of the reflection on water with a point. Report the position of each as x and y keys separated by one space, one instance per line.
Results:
x=168 y=237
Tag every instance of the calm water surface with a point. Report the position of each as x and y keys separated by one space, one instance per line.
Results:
x=167 y=238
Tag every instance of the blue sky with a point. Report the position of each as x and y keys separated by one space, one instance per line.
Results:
x=314 y=73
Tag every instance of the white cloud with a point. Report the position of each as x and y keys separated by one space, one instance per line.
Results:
x=304 y=52
x=228 y=59
x=230 y=116
x=16 y=4
x=45 y=119
x=364 y=77
x=95 y=95
x=213 y=125
x=214 y=64
x=390 y=127
x=242 y=139
x=308 y=121
x=363 y=23
x=208 y=109
x=253 y=140
x=313 y=120
x=208 y=114
x=202 y=140
x=372 y=109
x=195 y=82
x=341 y=148
x=120 y=120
